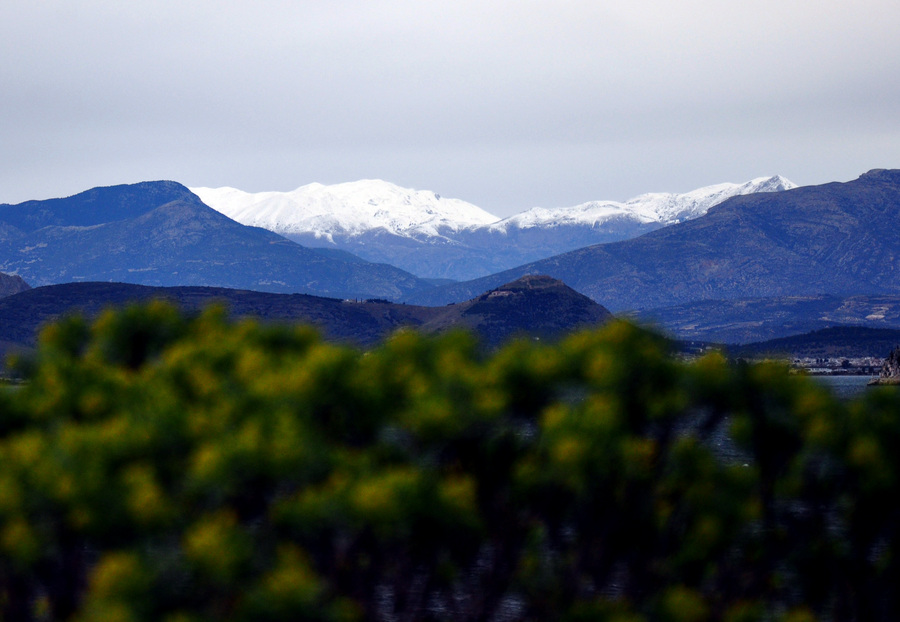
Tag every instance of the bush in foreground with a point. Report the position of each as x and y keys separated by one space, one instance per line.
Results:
x=156 y=467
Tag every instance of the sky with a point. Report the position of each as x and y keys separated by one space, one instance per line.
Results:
x=505 y=104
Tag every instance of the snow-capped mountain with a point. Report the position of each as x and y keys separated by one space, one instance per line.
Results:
x=348 y=209
x=659 y=207
x=436 y=237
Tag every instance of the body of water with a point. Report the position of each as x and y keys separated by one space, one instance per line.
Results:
x=845 y=387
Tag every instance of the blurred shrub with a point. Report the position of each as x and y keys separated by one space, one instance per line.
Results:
x=157 y=467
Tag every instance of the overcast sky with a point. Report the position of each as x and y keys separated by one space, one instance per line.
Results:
x=506 y=104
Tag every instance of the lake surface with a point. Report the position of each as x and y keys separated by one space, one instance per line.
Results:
x=845 y=387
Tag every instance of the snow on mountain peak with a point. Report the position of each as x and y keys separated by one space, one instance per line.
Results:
x=657 y=207
x=347 y=208
x=354 y=208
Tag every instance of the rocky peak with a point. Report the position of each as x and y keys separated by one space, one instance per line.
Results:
x=891 y=366
x=891 y=176
x=12 y=284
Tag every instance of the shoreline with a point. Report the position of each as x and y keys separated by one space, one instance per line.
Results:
x=885 y=382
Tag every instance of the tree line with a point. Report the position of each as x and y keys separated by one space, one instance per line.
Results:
x=156 y=466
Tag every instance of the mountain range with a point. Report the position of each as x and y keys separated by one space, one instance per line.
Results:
x=835 y=239
x=748 y=320
x=754 y=266
x=160 y=233
x=437 y=237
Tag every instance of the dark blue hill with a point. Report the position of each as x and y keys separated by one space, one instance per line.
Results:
x=161 y=234
x=838 y=239
x=832 y=342
x=535 y=306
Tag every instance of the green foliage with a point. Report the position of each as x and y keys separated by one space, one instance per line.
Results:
x=157 y=467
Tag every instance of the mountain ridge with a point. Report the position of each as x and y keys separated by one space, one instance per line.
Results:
x=748 y=320
x=160 y=233
x=536 y=306
x=835 y=238
x=349 y=208
x=421 y=232
x=663 y=208
x=832 y=342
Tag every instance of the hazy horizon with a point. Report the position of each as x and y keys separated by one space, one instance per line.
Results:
x=506 y=105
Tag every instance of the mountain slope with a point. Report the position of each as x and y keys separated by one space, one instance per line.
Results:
x=536 y=305
x=660 y=208
x=832 y=342
x=347 y=209
x=22 y=315
x=96 y=206
x=757 y=319
x=11 y=284
x=837 y=238
x=446 y=238
x=159 y=233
